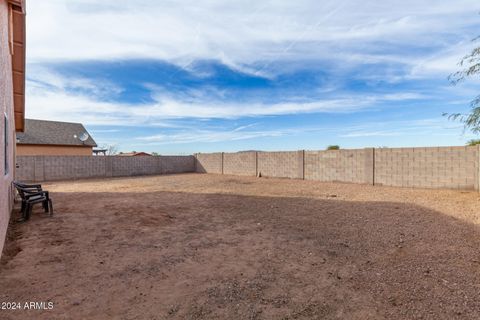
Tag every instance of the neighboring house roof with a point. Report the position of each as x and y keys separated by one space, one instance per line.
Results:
x=132 y=154
x=53 y=133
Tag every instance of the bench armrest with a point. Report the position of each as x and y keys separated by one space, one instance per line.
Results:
x=25 y=185
x=30 y=190
x=32 y=194
x=29 y=186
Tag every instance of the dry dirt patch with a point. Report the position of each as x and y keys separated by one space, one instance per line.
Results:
x=223 y=247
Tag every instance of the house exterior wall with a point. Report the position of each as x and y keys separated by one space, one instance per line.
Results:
x=6 y=107
x=49 y=150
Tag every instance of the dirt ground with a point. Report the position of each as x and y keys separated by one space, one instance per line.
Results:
x=197 y=246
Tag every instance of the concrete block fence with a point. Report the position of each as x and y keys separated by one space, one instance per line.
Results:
x=50 y=168
x=433 y=167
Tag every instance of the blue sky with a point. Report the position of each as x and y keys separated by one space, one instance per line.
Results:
x=178 y=77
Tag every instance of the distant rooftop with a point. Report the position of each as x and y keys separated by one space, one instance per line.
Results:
x=133 y=154
x=44 y=132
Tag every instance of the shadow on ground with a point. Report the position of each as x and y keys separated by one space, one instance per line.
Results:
x=167 y=255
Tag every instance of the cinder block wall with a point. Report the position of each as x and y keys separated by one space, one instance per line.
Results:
x=438 y=167
x=445 y=167
x=177 y=164
x=268 y=164
x=50 y=168
x=338 y=165
x=442 y=167
x=281 y=164
x=240 y=163
x=66 y=167
x=209 y=162
x=135 y=166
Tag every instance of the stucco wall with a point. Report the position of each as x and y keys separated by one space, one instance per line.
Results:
x=6 y=106
x=40 y=150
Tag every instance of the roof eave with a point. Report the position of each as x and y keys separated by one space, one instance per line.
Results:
x=18 y=3
x=18 y=45
x=56 y=145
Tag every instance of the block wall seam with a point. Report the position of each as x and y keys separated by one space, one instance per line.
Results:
x=475 y=174
x=373 y=171
x=34 y=170
x=303 y=164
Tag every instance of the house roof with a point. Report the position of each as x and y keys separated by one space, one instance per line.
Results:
x=53 y=133
x=133 y=154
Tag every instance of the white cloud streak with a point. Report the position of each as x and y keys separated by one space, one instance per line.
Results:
x=49 y=98
x=243 y=33
x=207 y=136
x=429 y=126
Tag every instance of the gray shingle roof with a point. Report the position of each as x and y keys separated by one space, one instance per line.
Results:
x=53 y=132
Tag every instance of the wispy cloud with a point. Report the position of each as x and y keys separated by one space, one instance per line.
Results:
x=187 y=71
x=370 y=134
x=206 y=136
x=260 y=130
x=242 y=34
x=54 y=97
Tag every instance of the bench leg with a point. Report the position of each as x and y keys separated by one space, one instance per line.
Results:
x=45 y=205
x=50 y=206
x=28 y=211
x=22 y=209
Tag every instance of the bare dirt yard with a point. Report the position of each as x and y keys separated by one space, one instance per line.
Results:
x=197 y=246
